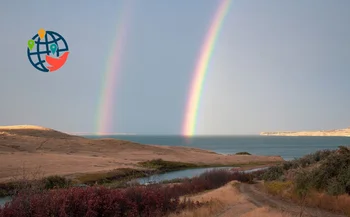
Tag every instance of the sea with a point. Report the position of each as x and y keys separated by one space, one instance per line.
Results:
x=287 y=147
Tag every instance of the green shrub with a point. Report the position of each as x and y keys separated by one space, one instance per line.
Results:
x=164 y=166
x=290 y=165
x=121 y=174
x=334 y=187
x=277 y=187
x=303 y=183
x=307 y=160
x=243 y=153
x=332 y=175
x=56 y=182
x=335 y=170
x=273 y=173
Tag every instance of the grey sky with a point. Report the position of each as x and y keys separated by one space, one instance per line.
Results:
x=278 y=65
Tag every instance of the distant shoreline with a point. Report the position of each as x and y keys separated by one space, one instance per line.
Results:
x=335 y=133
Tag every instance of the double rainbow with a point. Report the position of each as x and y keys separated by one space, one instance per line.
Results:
x=110 y=78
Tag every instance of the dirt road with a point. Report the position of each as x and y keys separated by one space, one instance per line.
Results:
x=261 y=199
x=243 y=200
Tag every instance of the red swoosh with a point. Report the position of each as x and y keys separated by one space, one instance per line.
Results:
x=56 y=63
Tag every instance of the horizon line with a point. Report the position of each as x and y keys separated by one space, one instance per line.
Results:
x=161 y=134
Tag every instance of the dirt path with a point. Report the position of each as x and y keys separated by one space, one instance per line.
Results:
x=261 y=199
x=243 y=200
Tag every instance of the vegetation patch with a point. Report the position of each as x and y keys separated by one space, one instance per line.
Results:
x=165 y=166
x=176 y=180
x=243 y=153
x=7 y=189
x=143 y=201
x=122 y=174
x=278 y=187
x=324 y=171
x=50 y=182
x=320 y=179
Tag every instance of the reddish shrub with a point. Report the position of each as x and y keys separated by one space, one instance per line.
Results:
x=147 y=201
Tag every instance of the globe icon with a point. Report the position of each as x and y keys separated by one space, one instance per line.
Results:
x=41 y=50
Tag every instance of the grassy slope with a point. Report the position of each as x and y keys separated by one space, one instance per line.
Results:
x=321 y=179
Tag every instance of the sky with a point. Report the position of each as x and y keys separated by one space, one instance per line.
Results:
x=277 y=65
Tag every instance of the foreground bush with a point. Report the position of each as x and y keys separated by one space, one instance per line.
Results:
x=333 y=174
x=154 y=200
x=277 y=172
x=323 y=170
x=273 y=173
x=321 y=179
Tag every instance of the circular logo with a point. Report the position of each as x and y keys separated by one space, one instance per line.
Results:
x=47 y=51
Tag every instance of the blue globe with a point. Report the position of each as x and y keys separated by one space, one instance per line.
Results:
x=41 y=48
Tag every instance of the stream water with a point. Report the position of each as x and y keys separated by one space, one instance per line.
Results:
x=3 y=200
x=188 y=173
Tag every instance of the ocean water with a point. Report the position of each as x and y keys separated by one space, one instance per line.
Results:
x=286 y=147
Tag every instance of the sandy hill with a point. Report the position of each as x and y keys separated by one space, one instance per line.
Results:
x=338 y=132
x=32 y=131
x=60 y=153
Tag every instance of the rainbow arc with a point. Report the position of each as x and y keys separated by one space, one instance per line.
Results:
x=201 y=68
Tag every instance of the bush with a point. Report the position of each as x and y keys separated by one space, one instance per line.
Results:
x=56 y=182
x=307 y=160
x=273 y=173
x=243 y=153
x=334 y=187
x=302 y=183
x=153 y=200
x=321 y=179
x=332 y=175
x=277 y=187
x=164 y=166
x=120 y=174
x=7 y=189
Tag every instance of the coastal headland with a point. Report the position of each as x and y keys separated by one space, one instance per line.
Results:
x=57 y=153
x=337 y=132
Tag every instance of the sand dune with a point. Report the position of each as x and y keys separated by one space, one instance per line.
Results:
x=63 y=154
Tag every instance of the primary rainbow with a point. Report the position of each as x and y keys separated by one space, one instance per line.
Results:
x=110 y=78
x=201 y=67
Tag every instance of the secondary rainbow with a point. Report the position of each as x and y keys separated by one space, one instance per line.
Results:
x=110 y=78
x=190 y=119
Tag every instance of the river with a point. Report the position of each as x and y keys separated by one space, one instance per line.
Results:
x=3 y=200
x=188 y=173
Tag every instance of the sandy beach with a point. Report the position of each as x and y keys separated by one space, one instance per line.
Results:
x=57 y=153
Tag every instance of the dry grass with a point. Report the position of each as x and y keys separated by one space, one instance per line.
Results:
x=226 y=201
x=211 y=209
x=279 y=188
x=265 y=212
x=314 y=199
x=227 y=194
x=333 y=203
x=63 y=154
